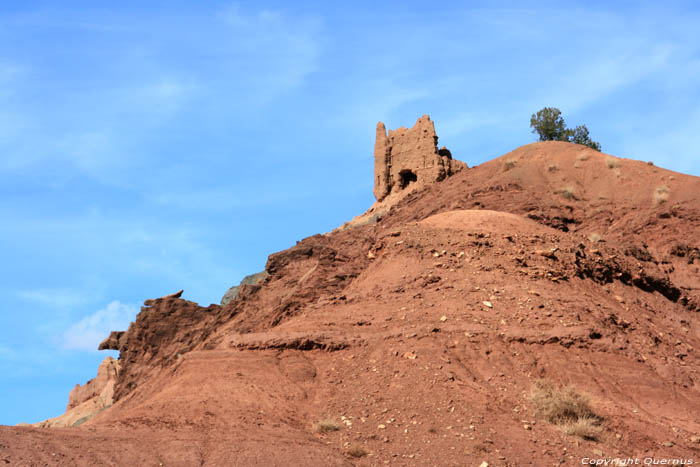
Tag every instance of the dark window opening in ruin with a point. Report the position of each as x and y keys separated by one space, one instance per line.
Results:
x=407 y=177
x=444 y=152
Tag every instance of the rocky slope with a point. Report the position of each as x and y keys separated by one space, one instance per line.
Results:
x=417 y=338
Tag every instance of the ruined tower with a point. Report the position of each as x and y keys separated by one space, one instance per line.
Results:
x=410 y=157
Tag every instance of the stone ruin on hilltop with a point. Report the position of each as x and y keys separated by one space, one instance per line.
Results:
x=410 y=157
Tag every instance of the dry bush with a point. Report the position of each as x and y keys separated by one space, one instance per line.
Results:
x=566 y=408
x=357 y=452
x=509 y=164
x=327 y=426
x=586 y=428
x=612 y=163
x=661 y=194
x=568 y=192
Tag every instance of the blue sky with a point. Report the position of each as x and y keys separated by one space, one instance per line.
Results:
x=147 y=147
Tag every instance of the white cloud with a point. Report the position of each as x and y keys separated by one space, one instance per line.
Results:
x=87 y=333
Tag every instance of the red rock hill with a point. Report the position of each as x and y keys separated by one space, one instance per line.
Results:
x=420 y=335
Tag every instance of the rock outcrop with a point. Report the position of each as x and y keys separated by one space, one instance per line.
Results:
x=165 y=328
x=101 y=387
x=410 y=157
x=250 y=280
x=88 y=400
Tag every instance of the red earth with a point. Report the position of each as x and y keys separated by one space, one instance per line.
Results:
x=417 y=340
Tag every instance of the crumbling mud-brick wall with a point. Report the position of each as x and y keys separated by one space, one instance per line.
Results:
x=406 y=158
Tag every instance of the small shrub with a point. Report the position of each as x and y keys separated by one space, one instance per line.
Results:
x=583 y=157
x=612 y=163
x=661 y=194
x=566 y=408
x=357 y=452
x=327 y=426
x=586 y=428
x=509 y=164
x=568 y=192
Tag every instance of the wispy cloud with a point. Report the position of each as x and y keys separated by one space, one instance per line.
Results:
x=275 y=52
x=56 y=298
x=96 y=250
x=105 y=121
x=594 y=78
x=24 y=359
x=87 y=333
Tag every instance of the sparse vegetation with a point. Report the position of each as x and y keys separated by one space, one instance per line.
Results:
x=566 y=408
x=327 y=426
x=80 y=421
x=84 y=419
x=661 y=194
x=509 y=164
x=568 y=192
x=549 y=125
x=586 y=428
x=612 y=163
x=357 y=452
